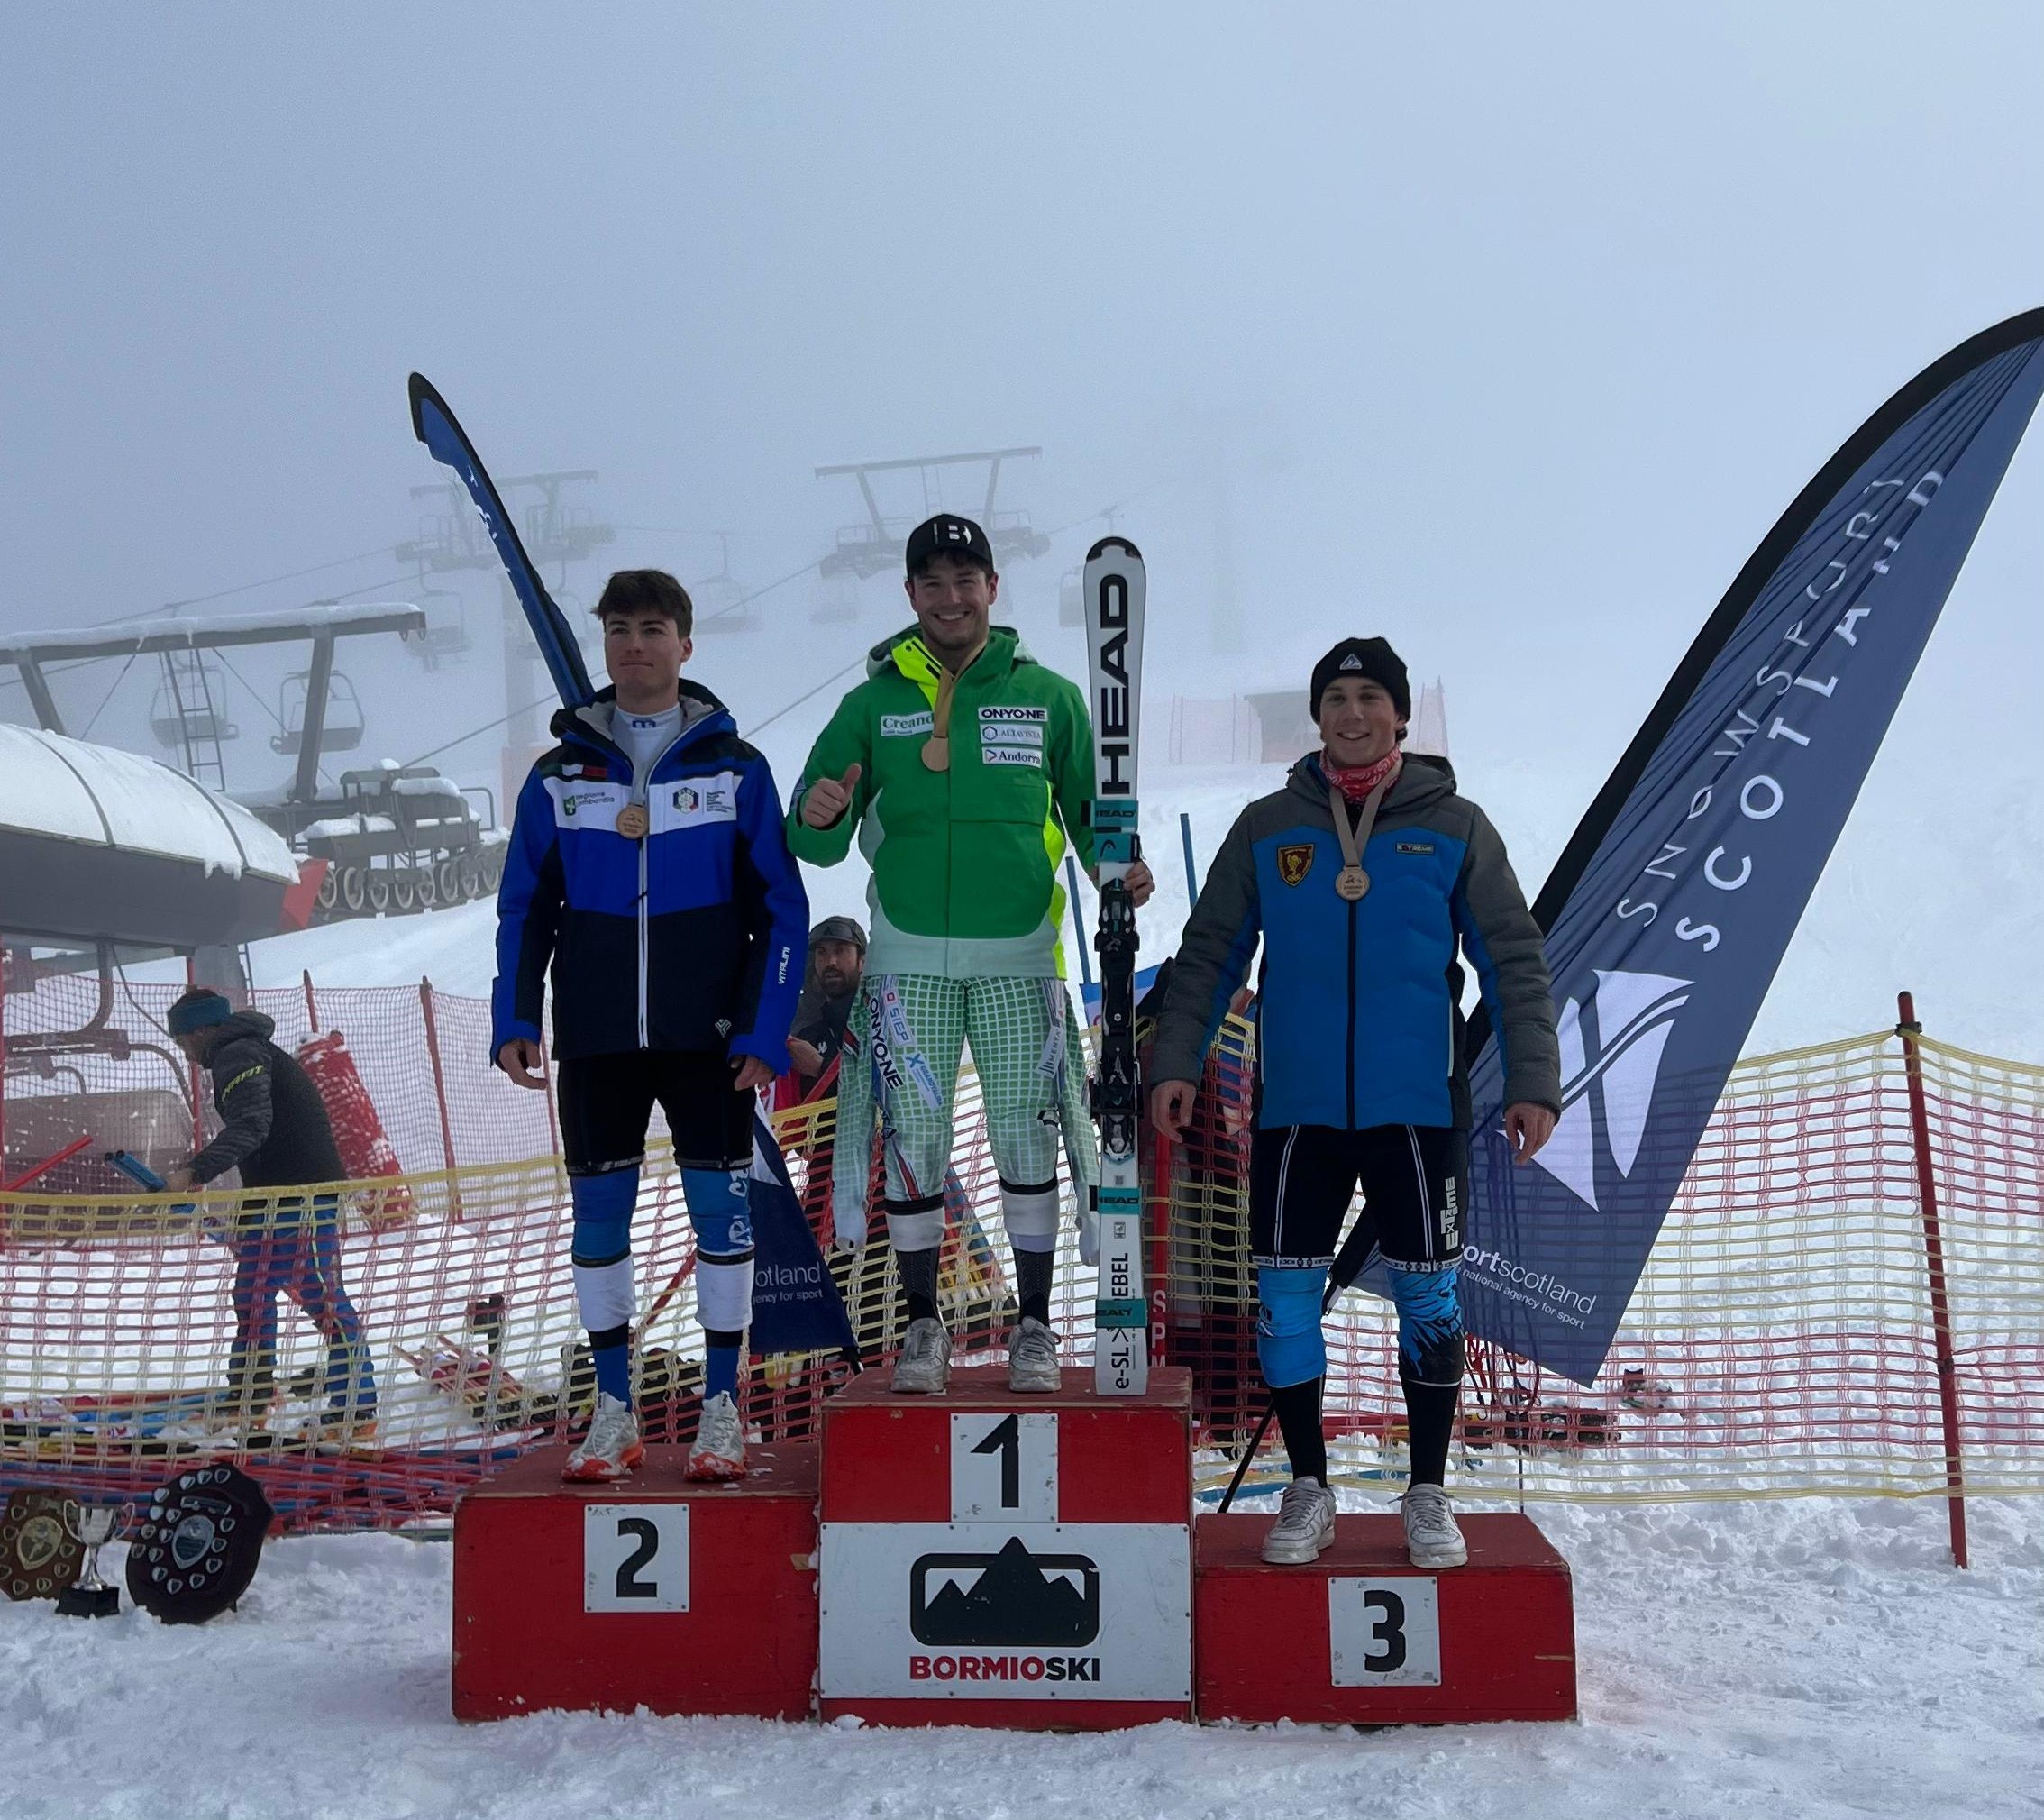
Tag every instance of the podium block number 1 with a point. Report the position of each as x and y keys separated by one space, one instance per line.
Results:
x=1385 y=1633
x=1004 y=1469
x=635 y=1558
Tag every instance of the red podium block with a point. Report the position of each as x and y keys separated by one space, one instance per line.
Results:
x=1363 y=1637
x=654 y=1593
x=995 y=1560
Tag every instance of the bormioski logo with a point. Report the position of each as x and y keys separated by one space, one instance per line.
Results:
x=1635 y=1013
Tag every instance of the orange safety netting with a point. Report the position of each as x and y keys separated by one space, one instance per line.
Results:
x=1780 y=1343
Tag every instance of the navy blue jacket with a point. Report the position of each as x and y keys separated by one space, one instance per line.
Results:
x=1359 y=1019
x=691 y=938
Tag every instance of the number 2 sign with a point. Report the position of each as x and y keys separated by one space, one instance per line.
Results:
x=635 y=1558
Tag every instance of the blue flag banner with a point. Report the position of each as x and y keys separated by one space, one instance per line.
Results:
x=434 y=425
x=795 y=1306
x=1670 y=909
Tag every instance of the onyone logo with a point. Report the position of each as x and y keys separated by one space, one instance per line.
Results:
x=1634 y=1014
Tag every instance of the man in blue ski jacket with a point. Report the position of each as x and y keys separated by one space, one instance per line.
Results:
x=648 y=866
x=1368 y=881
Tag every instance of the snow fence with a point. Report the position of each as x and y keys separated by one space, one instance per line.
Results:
x=1783 y=1341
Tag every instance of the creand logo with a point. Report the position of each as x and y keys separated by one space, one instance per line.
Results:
x=1612 y=1088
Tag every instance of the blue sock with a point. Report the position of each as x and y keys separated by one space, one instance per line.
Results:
x=720 y=1372
x=610 y=1352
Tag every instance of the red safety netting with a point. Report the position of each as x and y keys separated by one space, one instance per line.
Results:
x=1782 y=1341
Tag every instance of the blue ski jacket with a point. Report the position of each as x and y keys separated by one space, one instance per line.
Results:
x=691 y=938
x=1359 y=1018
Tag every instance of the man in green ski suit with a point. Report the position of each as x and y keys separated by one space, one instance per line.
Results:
x=965 y=767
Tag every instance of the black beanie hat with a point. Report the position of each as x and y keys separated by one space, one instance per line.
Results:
x=1371 y=657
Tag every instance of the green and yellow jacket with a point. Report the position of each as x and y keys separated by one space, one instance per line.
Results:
x=965 y=860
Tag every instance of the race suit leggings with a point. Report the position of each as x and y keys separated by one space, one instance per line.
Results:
x=1023 y=1039
x=1415 y=1183
x=297 y=1252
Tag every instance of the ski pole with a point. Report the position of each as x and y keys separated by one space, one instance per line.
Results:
x=1191 y=877
x=1350 y=1262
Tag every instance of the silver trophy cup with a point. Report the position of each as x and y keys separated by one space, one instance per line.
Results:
x=92 y=1526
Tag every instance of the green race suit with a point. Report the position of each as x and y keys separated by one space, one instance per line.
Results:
x=966 y=910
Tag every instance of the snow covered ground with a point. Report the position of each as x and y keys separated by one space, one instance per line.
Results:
x=1793 y=1659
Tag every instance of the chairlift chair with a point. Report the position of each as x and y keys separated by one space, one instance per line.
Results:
x=344 y=729
x=192 y=707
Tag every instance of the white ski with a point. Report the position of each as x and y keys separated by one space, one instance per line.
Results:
x=1114 y=638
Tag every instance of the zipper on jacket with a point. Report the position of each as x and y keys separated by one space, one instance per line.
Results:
x=644 y=842
x=1352 y=1017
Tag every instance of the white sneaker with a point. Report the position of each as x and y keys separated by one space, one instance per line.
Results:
x=923 y=1368
x=1433 y=1539
x=611 y=1448
x=719 y=1451
x=1032 y=1357
x=1305 y=1524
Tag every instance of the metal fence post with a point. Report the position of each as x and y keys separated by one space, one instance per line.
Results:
x=1909 y=1030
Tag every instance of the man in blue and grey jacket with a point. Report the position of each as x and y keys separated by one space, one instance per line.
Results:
x=647 y=864
x=1363 y=878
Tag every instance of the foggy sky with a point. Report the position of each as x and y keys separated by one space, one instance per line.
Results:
x=1505 y=333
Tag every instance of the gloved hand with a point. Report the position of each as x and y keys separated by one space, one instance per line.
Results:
x=1089 y=1232
x=848 y=1217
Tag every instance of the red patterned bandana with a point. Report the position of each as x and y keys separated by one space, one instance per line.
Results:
x=1358 y=780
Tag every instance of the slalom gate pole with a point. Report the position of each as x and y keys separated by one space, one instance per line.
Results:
x=1909 y=1030
x=1191 y=876
x=440 y=1091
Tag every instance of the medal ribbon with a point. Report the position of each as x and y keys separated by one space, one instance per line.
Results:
x=1355 y=839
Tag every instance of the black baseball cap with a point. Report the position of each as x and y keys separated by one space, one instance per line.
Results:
x=947 y=535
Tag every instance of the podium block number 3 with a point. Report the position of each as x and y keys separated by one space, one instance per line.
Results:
x=635 y=1558
x=1385 y=1633
x=1004 y=1467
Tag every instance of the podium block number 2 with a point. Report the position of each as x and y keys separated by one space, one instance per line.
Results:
x=635 y=1558
x=1004 y=1469
x=1385 y=1633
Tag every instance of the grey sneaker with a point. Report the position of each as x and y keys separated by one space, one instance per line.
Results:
x=1305 y=1524
x=610 y=1450
x=1032 y=1357
x=923 y=1368
x=1433 y=1539
x=719 y=1451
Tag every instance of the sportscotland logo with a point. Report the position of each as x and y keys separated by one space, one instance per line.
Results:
x=1635 y=1013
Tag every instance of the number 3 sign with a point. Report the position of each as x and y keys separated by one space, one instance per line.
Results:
x=635 y=1558
x=1385 y=1634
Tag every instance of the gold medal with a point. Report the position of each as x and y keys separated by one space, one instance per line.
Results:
x=936 y=754
x=631 y=821
x=1352 y=882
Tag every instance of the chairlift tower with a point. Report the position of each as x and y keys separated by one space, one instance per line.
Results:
x=880 y=542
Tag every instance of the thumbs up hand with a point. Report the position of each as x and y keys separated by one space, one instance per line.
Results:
x=827 y=799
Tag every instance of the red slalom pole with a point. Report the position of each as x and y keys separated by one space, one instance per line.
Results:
x=1909 y=1030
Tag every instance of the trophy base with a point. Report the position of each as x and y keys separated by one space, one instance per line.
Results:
x=89 y=1602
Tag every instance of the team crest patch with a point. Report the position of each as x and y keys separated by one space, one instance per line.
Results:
x=1293 y=863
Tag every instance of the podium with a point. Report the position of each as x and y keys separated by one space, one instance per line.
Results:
x=1363 y=1637
x=984 y=1558
x=995 y=1559
x=654 y=1592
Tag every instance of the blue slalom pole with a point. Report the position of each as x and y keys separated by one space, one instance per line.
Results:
x=1191 y=877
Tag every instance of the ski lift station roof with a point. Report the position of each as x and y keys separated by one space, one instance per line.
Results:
x=212 y=631
x=99 y=845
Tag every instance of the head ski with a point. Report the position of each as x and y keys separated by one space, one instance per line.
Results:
x=434 y=424
x=1114 y=638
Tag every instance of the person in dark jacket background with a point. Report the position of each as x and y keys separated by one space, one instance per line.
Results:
x=274 y=1131
x=838 y=962
x=648 y=866
x=1366 y=879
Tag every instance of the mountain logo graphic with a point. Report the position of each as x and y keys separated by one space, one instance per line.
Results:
x=1013 y=1599
x=1635 y=1013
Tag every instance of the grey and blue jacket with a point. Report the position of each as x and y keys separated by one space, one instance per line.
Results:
x=1359 y=1004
